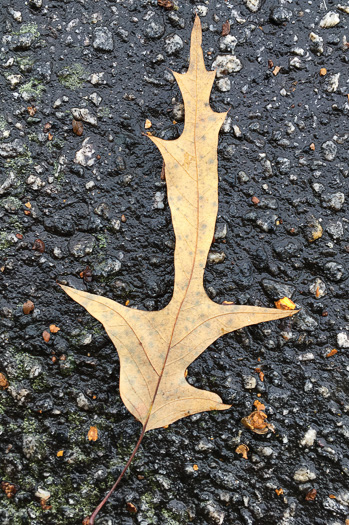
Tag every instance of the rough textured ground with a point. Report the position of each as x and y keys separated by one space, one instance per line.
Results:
x=286 y=144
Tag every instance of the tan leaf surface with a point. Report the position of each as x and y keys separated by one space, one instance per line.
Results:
x=155 y=348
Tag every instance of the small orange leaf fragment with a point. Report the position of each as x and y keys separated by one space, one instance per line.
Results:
x=285 y=304
x=257 y=420
x=259 y=405
x=279 y=491
x=332 y=496
x=9 y=489
x=242 y=449
x=312 y=146
x=276 y=70
x=332 y=352
x=60 y=453
x=195 y=467
x=147 y=124
x=225 y=28
x=46 y=335
x=3 y=382
x=54 y=329
x=132 y=509
x=323 y=72
x=311 y=495
x=28 y=307
x=93 y=434
x=28 y=205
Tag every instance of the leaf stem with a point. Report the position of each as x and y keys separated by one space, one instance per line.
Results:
x=103 y=502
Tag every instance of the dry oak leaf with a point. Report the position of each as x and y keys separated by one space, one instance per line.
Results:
x=155 y=348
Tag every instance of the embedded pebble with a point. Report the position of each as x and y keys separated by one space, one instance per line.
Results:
x=155 y=28
x=335 y=201
x=332 y=83
x=317 y=45
x=43 y=494
x=335 y=271
x=318 y=288
x=343 y=340
x=253 y=5
x=223 y=84
x=81 y=244
x=250 y=382
x=309 y=438
x=331 y=19
x=82 y=401
x=173 y=44
x=329 y=149
x=304 y=474
x=280 y=15
x=313 y=230
x=227 y=43
x=216 y=257
x=103 y=39
x=335 y=229
x=225 y=64
x=276 y=290
x=85 y=155
x=84 y=115
x=201 y=9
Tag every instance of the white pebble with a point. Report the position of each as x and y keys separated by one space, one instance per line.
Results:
x=343 y=340
x=330 y=19
x=308 y=438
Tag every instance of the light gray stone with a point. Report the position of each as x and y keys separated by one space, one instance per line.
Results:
x=103 y=39
x=225 y=64
x=331 y=19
